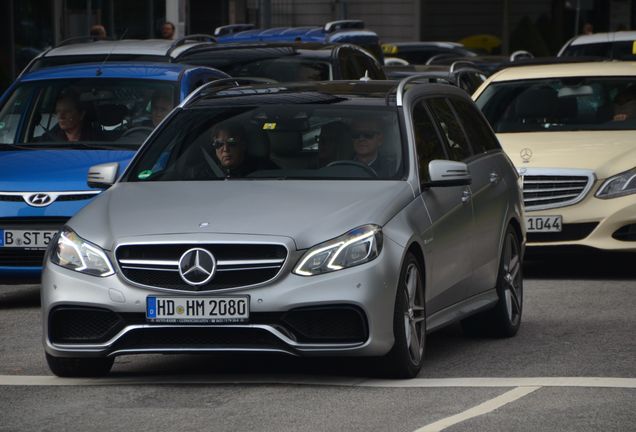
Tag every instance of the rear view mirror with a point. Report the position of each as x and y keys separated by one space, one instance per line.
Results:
x=583 y=90
x=102 y=176
x=448 y=173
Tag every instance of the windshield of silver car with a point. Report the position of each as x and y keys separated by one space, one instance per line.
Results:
x=75 y=113
x=274 y=141
x=561 y=104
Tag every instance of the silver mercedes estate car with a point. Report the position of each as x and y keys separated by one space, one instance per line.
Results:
x=314 y=219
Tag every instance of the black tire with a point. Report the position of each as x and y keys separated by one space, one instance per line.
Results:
x=504 y=319
x=79 y=367
x=409 y=319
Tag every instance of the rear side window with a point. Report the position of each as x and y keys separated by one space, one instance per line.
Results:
x=351 y=65
x=13 y=111
x=456 y=142
x=481 y=137
x=428 y=144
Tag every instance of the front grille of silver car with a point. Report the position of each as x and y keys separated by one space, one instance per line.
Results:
x=157 y=265
x=545 y=189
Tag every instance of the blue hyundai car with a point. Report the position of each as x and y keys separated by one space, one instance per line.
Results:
x=57 y=122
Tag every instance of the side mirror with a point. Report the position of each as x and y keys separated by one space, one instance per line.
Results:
x=448 y=173
x=102 y=176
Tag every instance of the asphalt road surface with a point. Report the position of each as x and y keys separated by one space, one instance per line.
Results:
x=572 y=367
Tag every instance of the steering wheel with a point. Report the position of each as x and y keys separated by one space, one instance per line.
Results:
x=365 y=167
x=137 y=129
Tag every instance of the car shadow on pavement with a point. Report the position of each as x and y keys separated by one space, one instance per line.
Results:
x=19 y=296
x=579 y=264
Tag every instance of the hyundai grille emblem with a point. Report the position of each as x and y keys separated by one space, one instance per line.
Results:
x=39 y=199
x=197 y=266
x=526 y=154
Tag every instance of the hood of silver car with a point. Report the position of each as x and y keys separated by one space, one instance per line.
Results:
x=309 y=212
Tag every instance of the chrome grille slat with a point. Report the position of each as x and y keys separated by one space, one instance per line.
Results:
x=551 y=197
x=553 y=188
x=156 y=265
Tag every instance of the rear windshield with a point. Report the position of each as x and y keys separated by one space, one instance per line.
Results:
x=274 y=141
x=561 y=104
x=76 y=112
x=284 y=69
x=623 y=50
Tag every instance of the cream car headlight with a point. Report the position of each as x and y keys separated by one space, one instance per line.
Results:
x=618 y=185
x=356 y=247
x=73 y=252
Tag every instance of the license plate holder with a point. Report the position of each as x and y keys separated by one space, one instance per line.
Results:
x=197 y=309
x=25 y=239
x=544 y=223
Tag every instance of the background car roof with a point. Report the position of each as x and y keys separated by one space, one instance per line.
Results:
x=156 y=47
x=304 y=34
x=158 y=71
x=348 y=92
x=313 y=49
x=619 y=36
x=607 y=68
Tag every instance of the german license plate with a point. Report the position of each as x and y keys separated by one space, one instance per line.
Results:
x=217 y=309
x=11 y=238
x=543 y=224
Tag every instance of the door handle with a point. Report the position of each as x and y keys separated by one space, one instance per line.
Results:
x=494 y=178
x=466 y=196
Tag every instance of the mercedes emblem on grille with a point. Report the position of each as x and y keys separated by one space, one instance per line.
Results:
x=197 y=266
x=39 y=199
x=526 y=154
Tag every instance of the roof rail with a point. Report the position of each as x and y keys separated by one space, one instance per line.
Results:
x=520 y=54
x=193 y=37
x=232 y=28
x=333 y=26
x=81 y=39
x=460 y=63
x=401 y=88
x=224 y=83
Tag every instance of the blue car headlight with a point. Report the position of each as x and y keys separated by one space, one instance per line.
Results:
x=73 y=252
x=619 y=185
x=358 y=246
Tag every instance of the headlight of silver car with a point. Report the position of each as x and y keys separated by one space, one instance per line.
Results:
x=358 y=246
x=73 y=252
x=619 y=185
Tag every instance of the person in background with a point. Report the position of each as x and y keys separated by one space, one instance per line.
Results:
x=72 y=124
x=167 y=30
x=160 y=105
x=625 y=105
x=98 y=32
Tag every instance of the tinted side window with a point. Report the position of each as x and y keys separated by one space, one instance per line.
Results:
x=428 y=144
x=351 y=66
x=481 y=137
x=457 y=145
x=371 y=66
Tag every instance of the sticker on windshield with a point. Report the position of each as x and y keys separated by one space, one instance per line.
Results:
x=269 y=126
x=144 y=174
x=2 y=125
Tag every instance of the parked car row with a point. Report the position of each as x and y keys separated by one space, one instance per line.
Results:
x=178 y=190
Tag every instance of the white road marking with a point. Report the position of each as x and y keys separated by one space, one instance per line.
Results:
x=481 y=409
x=593 y=382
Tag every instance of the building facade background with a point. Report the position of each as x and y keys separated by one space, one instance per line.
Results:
x=539 y=26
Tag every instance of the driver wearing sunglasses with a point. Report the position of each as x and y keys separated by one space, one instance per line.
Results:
x=230 y=147
x=367 y=138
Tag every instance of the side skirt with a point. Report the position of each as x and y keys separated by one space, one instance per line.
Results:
x=461 y=310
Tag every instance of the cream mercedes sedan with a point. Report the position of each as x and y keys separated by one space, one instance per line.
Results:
x=570 y=129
